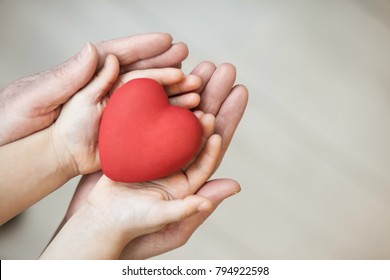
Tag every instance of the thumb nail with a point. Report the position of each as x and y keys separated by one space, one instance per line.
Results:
x=86 y=50
x=234 y=193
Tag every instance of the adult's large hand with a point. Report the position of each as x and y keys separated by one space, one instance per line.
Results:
x=33 y=103
x=222 y=98
x=227 y=103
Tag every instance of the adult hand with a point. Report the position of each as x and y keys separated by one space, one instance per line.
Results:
x=227 y=103
x=33 y=103
x=221 y=98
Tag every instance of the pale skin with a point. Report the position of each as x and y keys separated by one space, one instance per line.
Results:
x=227 y=103
x=219 y=97
x=69 y=147
x=38 y=98
x=33 y=103
x=116 y=213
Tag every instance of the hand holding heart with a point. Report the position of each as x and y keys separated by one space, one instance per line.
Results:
x=57 y=125
x=227 y=104
x=38 y=99
x=117 y=212
x=125 y=211
x=75 y=133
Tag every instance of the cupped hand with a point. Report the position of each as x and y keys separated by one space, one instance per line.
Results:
x=227 y=102
x=135 y=209
x=33 y=103
x=75 y=132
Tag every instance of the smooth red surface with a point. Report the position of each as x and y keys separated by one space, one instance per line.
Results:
x=142 y=137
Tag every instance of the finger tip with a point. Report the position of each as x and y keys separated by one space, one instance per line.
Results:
x=196 y=99
x=241 y=94
x=209 y=117
x=167 y=37
x=228 y=69
x=205 y=206
x=204 y=69
x=216 y=139
x=207 y=65
x=88 y=56
x=183 y=49
x=111 y=60
x=208 y=120
x=229 y=66
x=196 y=80
x=198 y=114
x=236 y=186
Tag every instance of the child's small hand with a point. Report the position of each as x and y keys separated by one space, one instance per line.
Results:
x=75 y=133
x=115 y=213
x=136 y=209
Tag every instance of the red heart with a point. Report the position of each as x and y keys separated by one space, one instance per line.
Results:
x=142 y=137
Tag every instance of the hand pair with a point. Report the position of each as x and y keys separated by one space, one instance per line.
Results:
x=217 y=97
x=141 y=210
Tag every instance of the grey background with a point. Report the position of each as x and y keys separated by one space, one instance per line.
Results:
x=313 y=150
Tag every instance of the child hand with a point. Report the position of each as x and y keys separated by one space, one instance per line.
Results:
x=115 y=213
x=75 y=133
x=139 y=208
x=227 y=103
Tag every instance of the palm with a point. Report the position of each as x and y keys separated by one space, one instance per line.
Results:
x=150 y=206
x=176 y=186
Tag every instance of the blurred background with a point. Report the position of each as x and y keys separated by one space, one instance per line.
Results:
x=313 y=150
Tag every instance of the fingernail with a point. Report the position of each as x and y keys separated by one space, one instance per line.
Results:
x=234 y=193
x=85 y=51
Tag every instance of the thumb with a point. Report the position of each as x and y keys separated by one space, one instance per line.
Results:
x=37 y=98
x=177 y=210
x=57 y=85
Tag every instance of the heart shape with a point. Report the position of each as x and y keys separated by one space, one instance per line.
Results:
x=142 y=137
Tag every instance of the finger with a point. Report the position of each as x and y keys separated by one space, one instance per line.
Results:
x=187 y=84
x=205 y=71
x=230 y=115
x=104 y=80
x=178 y=234
x=164 y=76
x=207 y=122
x=172 y=57
x=205 y=164
x=217 y=89
x=198 y=114
x=188 y=100
x=134 y=48
x=216 y=191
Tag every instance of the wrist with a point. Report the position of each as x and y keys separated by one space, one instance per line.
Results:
x=86 y=235
x=105 y=226
x=65 y=161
